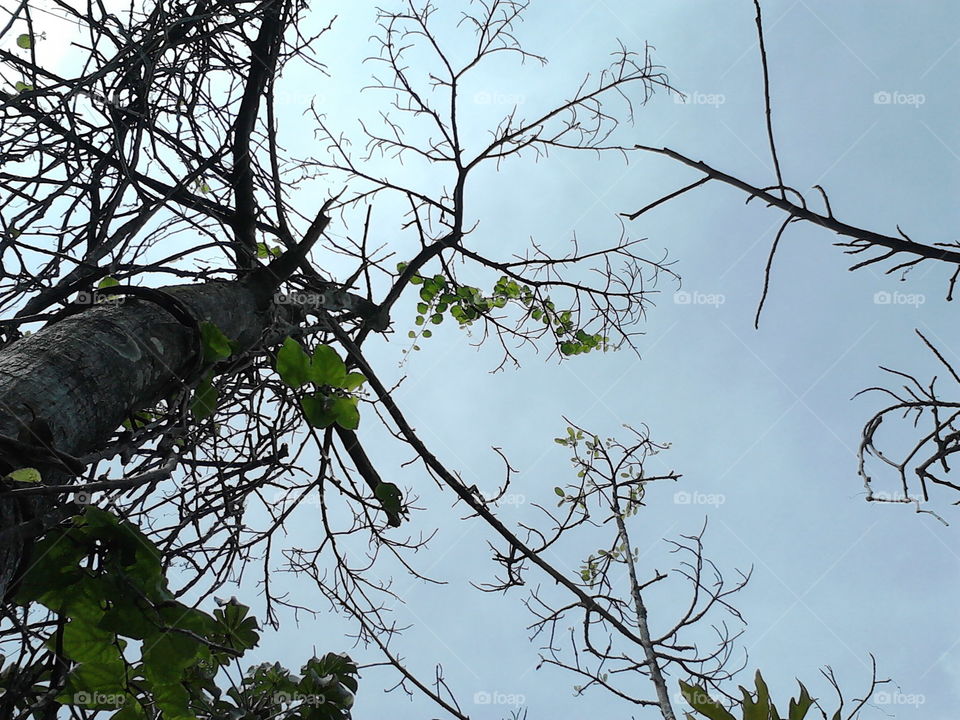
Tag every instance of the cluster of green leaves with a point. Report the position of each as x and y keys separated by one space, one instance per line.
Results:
x=268 y=251
x=104 y=580
x=334 y=400
x=466 y=304
x=24 y=42
x=755 y=706
x=590 y=568
x=324 y=690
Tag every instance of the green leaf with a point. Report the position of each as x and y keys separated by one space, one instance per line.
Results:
x=763 y=695
x=25 y=41
x=239 y=629
x=559 y=492
x=216 y=345
x=25 y=475
x=390 y=499
x=204 y=402
x=316 y=409
x=436 y=318
x=293 y=364
x=704 y=704
x=327 y=367
x=345 y=412
x=353 y=381
x=799 y=707
x=22 y=86
x=265 y=251
x=108 y=282
x=167 y=656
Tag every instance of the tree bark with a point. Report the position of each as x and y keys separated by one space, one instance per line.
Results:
x=79 y=378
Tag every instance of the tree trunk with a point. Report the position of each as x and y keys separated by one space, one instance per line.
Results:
x=69 y=386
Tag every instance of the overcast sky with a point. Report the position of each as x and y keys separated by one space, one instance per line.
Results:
x=761 y=423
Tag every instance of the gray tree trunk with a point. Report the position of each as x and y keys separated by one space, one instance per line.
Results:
x=83 y=376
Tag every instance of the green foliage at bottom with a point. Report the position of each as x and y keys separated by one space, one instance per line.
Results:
x=103 y=581
x=754 y=705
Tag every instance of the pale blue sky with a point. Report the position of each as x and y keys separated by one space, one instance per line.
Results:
x=762 y=418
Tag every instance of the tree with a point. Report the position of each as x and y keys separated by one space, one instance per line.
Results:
x=199 y=388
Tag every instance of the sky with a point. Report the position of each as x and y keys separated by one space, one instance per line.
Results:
x=761 y=423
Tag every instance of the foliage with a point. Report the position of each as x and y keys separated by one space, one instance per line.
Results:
x=755 y=706
x=334 y=400
x=103 y=582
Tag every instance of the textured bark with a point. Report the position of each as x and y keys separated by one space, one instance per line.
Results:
x=83 y=376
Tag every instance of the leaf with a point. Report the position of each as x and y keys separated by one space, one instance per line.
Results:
x=25 y=41
x=216 y=345
x=763 y=695
x=22 y=86
x=25 y=475
x=293 y=364
x=390 y=499
x=798 y=708
x=345 y=412
x=704 y=704
x=353 y=381
x=559 y=491
x=317 y=411
x=108 y=282
x=204 y=402
x=327 y=367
